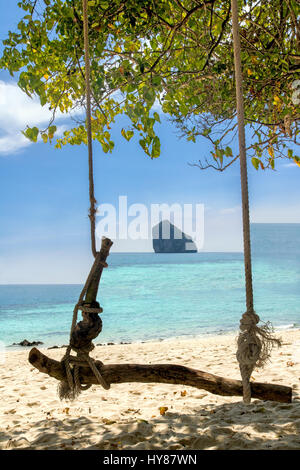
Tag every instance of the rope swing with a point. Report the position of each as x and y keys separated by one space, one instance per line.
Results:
x=254 y=343
x=77 y=373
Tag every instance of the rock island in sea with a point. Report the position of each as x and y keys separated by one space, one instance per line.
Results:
x=169 y=239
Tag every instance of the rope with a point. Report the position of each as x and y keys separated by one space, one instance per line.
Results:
x=93 y=201
x=254 y=343
x=72 y=387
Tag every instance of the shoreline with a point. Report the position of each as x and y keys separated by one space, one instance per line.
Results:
x=128 y=416
x=277 y=330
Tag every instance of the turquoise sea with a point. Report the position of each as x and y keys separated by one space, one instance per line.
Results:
x=149 y=296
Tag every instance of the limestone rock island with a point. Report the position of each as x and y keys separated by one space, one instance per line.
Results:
x=169 y=239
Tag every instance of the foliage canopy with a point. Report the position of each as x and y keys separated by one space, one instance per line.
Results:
x=178 y=53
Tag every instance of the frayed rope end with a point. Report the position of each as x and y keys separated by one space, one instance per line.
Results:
x=66 y=393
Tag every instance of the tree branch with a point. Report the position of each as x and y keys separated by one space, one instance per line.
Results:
x=162 y=373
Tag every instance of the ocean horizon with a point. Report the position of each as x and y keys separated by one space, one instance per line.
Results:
x=150 y=296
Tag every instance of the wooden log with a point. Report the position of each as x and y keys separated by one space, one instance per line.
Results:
x=163 y=373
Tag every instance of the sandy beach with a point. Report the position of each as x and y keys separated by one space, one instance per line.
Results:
x=128 y=416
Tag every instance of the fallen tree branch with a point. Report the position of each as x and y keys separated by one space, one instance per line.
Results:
x=162 y=373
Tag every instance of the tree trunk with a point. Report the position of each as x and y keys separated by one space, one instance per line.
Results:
x=163 y=373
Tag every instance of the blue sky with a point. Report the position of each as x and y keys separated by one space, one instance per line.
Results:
x=44 y=230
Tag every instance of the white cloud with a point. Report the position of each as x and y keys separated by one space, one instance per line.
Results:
x=12 y=142
x=17 y=111
x=289 y=165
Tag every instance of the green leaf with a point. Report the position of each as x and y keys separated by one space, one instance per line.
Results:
x=219 y=155
x=51 y=131
x=139 y=109
x=144 y=146
x=149 y=95
x=228 y=152
x=206 y=132
x=156 y=117
x=127 y=134
x=155 y=152
x=105 y=147
x=255 y=162
x=45 y=138
x=156 y=81
x=31 y=133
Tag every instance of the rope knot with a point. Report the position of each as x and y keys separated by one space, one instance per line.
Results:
x=254 y=348
x=249 y=349
x=70 y=389
x=88 y=308
x=249 y=321
x=84 y=349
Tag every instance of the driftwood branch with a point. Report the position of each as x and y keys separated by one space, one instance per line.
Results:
x=162 y=373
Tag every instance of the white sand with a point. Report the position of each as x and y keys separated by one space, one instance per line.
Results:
x=127 y=416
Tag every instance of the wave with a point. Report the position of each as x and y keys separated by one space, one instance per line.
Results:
x=289 y=326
